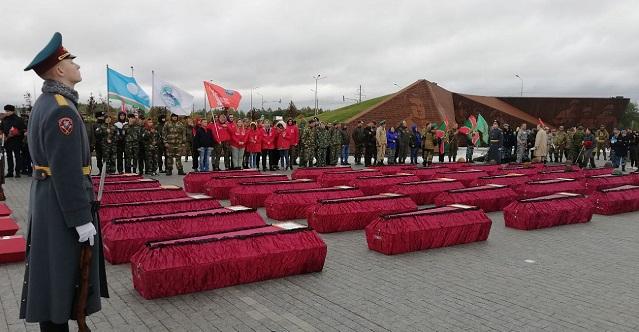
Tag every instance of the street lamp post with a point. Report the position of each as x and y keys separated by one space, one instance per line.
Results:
x=317 y=78
x=252 y=96
x=521 y=91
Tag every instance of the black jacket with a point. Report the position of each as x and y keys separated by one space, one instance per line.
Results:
x=359 y=136
x=13 y=121
x=203 y=138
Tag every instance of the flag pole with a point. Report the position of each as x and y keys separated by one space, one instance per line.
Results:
x=152 y=88
x=107 y=95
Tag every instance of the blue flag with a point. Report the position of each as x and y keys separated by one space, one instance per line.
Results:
x=127 y=90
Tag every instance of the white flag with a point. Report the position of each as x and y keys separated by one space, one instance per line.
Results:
x=173 y=98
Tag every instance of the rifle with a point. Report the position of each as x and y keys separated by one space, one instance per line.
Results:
x=86 y=254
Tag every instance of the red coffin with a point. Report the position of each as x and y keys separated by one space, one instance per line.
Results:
x=424 y=192
x=123 y=237
x=109 y=212
x=142 y=195
x=548 y=175
x=8 y=226
x=5 y=210
x=114 y=178
x=219 y=260
x=128 y=184
x=532 y=189
x=466 y=176
x=488 y=168
x=315 y=172
x=220 y=187
x=491 y=197
x=597 y=182
x=454 y=166
x=616 y=200
x=347 y=214
x=342 y=178
x=511 y=179
x=427 y=173
x=515 y=169
x=548 y=211
x=253 y=194
x=428 y=228
x=293 y=204
x=559 y=167
x=394 y=169
x=194 y=181
x=596 y=171
x=12 y=249
x=377 y=184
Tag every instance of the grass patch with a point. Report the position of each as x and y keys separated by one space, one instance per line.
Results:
x=347 y=112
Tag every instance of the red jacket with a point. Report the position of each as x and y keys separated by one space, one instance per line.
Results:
x=220 y=132
x=268 y=140
x=239 y=137
x=283 y=141
x=254 y=141
x=293 y=134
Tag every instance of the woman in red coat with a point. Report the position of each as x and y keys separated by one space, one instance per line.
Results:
x=293 y=136
x=254 y=145
x=239 y=137
x=283 y=144
x=268 y=147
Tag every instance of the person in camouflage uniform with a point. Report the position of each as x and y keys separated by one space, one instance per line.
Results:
x=428 y=145
x=452 y=144
x=560 y=144
x=173 y=138
x=323 y=144
x=336 y=143
x=601 y=137
x=577 y=142
x=551 y=144
x=132 y=136
x=151 y=139
x=359 y=139
x=522 y=143
x=568 y=149
x=162 y=147
x=108 y=144
x=307 y=141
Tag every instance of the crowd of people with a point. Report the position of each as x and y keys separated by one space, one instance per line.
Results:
x=134 y=144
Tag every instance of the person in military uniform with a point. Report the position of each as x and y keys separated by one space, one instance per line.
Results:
x=370 y=144
x=191 y=128
x=428 y=145
x=577 y=145
x=13 y=131
x=173 y=138
x=162 y=157
x=120 y=134
x=132 y=137
x=27 y=168
x=522 y=143
x=602 y=137
x=151 y=139
x=323 y=144
x=141 y=147
x=403 y=142
x=452 y=145
x=62 y=213
x=336 y=143
x=109 y=146
x=569 y=143
x=560 y=144
x=496 y=141
x=380 y=137
x=510 y=141
x=99 y=132
x=307 y=140
x=359 y=139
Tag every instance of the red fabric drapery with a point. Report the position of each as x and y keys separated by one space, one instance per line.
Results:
x=515 y=169
x=128 y=184
x=342 y=178
x=548 y=211
x=119 y=177
x=377 y=184
x=142 y=195
x=254 y=194
x=220 y=187
x=314 y=173
x=293 y=204
x=427 y=228
x=194 y=181
x=554 y=174
x=596 y=171
x=424 y=192
x=615 y=200
x=123 y=237
x=455 y=166
x=428 y=173
x=597 y=182
x=346 y=214
x=12 y=249
x=532 y=189
x=109 y=212
x=465 y=176
x=488 y=168
x=489 y=197
x=5 y=210
x=394 y=169
x=506 y=180
x=8 y=226
x=225 y=259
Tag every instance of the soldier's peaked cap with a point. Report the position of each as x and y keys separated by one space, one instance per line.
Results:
x=50 y=55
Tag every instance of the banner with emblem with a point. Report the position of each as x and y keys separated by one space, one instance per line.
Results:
x=220 y=97
x=173 y=98
x=126 y=89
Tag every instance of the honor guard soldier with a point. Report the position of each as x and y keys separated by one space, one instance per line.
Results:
x=63 y=220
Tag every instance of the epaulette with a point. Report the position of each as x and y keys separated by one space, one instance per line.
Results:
x=62 y=102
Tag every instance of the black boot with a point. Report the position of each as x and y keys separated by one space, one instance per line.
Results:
x=169 y=172
x=181 y=172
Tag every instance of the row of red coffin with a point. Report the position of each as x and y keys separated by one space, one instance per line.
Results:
x=12 y=247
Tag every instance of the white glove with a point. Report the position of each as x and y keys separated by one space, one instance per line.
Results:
x=86 y=232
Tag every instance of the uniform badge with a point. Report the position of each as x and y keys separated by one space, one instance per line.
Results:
x=65 y=125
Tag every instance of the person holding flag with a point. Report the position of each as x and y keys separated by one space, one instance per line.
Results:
x=472 y=136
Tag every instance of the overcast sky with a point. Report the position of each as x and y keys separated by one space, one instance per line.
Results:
x=559 y=48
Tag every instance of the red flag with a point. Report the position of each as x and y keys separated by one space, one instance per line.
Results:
x=218 y=96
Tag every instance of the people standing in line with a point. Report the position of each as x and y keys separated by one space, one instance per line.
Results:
x=391 y=145
x=173 y=134
x=162 y=160
x=381 y=142
x=323 y=144
x=239 y=137
x=307 y=143
x=132 y=136
x=522 y=143
x=203 y=142
x=108 y=145
x=151 y=140
x=336 y=144
x=13 y=129
x=359 y=139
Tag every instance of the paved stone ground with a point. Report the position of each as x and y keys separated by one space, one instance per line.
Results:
x=584 y=278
